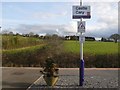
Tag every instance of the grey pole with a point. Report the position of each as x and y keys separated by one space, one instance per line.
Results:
x=81 y=67
x=81 y=44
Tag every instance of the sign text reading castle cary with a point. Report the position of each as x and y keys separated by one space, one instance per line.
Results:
x=81 y=12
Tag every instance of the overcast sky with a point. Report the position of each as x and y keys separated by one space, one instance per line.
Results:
x=56 y=17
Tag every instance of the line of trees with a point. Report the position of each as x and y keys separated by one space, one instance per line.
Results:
x=77 y=38
x=112 y=38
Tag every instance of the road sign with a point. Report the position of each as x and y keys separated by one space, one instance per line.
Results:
x=81 y=26
x=82 y=39
x=81 y=12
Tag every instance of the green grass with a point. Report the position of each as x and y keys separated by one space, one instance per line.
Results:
x=92 y=47
x=14 y=42
x=23 y=50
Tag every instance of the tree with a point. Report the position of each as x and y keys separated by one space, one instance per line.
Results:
x=116 y=37
x=36 y=35
x=31 y=34
x=103 y=39
x=89 y=39
x=11 y=33
x=17 y=34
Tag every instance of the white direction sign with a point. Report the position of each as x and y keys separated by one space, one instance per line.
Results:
x=82 y=39
x=81 y=12
x=81 y=26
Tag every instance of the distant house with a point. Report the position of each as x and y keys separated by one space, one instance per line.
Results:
x=118 y=40
x=110 y=39
x=68 y=37
x=107 y=40
x=77 y=38
x=98 y=39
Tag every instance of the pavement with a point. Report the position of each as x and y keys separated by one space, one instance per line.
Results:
x=25 y=78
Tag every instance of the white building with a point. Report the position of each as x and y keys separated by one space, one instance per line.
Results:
x=97 y=39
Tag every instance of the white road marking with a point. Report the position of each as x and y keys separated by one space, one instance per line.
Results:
x=34 y=82
x=63 y=68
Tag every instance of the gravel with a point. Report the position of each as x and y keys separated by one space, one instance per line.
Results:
x=92 y=79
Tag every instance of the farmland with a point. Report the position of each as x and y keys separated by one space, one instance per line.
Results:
x=14 y=42
x=31 y=51
x=94 y=47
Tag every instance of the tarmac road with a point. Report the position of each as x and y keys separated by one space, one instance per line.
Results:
x=18 y=78
x=22 y=78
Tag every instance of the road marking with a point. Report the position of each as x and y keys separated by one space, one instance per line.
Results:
x=34 y=82
x=21 y=67
x=90 y=68
x=62 y=68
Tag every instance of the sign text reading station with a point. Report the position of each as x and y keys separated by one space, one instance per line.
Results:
x=81 y=12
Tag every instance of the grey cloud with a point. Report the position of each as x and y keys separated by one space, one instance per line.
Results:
x=47 y=15
x=40 y=29
x=63 y=30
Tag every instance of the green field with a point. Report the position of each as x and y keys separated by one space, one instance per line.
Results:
x=14 y=42
x=17 y=43
x=92 y=47
x=30 y=51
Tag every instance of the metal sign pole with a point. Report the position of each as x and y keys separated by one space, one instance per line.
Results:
x=81 y=68
x=80 y=12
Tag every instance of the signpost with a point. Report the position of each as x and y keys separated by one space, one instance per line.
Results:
x=81 y=26
x=80 y=12
x=82 y=39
